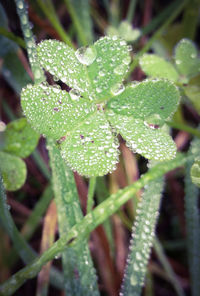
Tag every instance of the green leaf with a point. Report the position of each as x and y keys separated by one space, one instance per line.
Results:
x=193 y=93
x=195 y=173
x=91 y=149
x=152 y=100
x=93 y=70
x=13 y=170
x=75 y=260
x=150 y=142
x=157 y=67
x=186 y=58
x=20 y=138
x=52 y=111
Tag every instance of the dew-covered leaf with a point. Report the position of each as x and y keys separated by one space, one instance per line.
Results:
x=151 y=100
x=195 y=172
x=91 y=149
x=91 y=70
x=52 y=111
x=109 y=67
x=193 y=93
x=186 y=58
x=142 y=138
x=157 y=67
x=20 y=138
x=13 y=170
x=60 y=60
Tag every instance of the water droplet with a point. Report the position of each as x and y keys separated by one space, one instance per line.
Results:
x=74 y=94
x=133 y=280
x=86 y=55
x=178 y=62
x=153 y=120
x=117 y=89
x=119 y=69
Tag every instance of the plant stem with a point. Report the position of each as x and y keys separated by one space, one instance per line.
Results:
x=90 y=222
x=52 y=17
x=77 y=24
x=30 y=42
x=131 y=10
x=193 y=223
x=191 y=17
x=91 y=190
x=185 y=128
x=18 y=40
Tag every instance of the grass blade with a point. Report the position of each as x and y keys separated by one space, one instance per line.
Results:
x=79 y=273
x=142 y=238
x=192 y=225
x=82 y=229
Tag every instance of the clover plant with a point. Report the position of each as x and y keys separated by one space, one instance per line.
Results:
x=86 y=120
x=87 y=110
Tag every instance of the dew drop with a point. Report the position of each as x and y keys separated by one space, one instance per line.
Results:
x=86 y=55
x=117 y=89
x=2 y=126
x=133 y=280
x=74 y=94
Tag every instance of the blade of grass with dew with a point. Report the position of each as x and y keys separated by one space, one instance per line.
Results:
x=82 y=12
x=79 y=273
x=23 y=249
x=142 y=238
x=193 y=223
x=30 y=42
x=82 y=229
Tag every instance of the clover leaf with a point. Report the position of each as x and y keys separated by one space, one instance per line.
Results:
x=84 y=120
x=187 y=63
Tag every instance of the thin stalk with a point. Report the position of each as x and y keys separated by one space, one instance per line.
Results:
x=91 y=190
x=131 y=10
x=18 y=40
x=191 y=17
x=183 y=127
x=30 y=42
x=90 y=222
x=167 y=267
x=52 y=17
x=75 y=260
x=77 y=24
x=147 y=46
x=193 y=223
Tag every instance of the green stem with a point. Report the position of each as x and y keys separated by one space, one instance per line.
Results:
x=77 y=24
x=147 y=46
x=190 y=19
x=167 y=267
x=13 y=37
x=90 y=222
x=52 y=17
x=91 y=190
x=185 y=128
x=131 y=11
x=193 y=223
x=75 y=260
x=30 y=42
